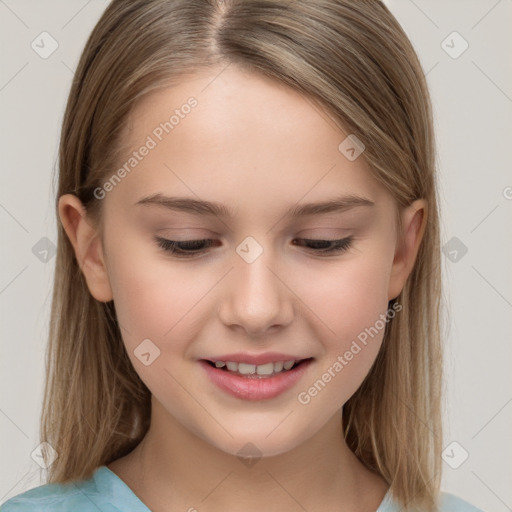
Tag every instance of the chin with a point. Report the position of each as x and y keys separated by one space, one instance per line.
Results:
x=248 y=450
x=252 y=447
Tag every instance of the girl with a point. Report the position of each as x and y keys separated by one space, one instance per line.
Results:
x=247 y=288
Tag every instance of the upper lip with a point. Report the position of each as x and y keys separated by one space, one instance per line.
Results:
x=257 y=359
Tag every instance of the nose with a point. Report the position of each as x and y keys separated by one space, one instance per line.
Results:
x=255 y=297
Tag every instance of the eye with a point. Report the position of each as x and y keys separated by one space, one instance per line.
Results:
x=328 y=246
x=189 y=248
x=184 y=248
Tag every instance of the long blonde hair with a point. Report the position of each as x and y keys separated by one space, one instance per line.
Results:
x=354 y=59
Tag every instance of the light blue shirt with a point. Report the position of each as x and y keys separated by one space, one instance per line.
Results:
x=106 y=492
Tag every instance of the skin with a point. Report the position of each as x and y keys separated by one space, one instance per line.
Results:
x=259 y=148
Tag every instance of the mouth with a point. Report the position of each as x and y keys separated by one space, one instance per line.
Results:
x=263 y=371
x=252 y=382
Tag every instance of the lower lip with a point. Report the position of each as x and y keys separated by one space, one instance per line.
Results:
x=252 y=387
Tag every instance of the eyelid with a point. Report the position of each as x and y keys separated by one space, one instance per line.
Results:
x=172 y=246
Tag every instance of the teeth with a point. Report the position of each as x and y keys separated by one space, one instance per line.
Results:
x=246 y=369
x=232 y=366
x=264 y=369
x=251 y=369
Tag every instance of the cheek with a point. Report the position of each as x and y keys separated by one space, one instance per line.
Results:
x=152 y=296
x=351 y=296
x=157 y=302
x=351 y=300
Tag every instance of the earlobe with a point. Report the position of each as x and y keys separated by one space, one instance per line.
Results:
x=87 y=246
x=414 y=221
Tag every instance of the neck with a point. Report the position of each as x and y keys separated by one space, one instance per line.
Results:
x=173 y=469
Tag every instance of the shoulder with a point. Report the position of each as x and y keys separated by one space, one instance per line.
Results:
x=79 y=495
x=447 y=503
x=451 y=503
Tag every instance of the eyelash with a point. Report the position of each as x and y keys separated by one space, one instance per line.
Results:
x=179 y=248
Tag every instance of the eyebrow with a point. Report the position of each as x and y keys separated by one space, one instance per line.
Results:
x=200 y=207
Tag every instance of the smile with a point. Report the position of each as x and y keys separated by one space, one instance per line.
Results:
x=255 y=382
x=267 y=369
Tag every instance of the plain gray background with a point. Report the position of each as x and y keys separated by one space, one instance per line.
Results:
x=472 y=95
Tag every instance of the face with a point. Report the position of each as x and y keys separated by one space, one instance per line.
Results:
x=267 y=279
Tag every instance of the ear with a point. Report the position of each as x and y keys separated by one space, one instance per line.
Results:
x=87 y=246
x=414 y=221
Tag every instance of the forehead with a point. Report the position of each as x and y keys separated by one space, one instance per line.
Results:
x=246 y=132
x=232 y=104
